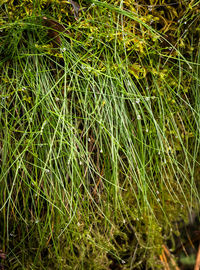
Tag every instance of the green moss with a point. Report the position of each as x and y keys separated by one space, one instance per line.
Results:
x=99 y=139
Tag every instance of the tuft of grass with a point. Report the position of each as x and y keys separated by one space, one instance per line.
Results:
x=99 y=140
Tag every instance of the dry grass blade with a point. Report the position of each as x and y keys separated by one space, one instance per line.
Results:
x=172 y=261
x=54 y=30
x=197 y=264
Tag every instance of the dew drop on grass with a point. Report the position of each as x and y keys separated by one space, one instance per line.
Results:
x=139 y=117
x=147 y=98
x=137 y=100
x=63 y=49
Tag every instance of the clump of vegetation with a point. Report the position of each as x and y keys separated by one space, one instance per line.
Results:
x=99 y=140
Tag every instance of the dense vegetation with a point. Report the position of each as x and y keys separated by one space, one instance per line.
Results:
x=99 y=137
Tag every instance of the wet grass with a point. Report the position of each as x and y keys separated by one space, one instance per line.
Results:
x=99 y=140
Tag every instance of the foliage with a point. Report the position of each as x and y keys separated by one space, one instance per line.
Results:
x=99 y=140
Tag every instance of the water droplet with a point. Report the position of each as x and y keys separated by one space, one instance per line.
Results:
x=137 y=100
x=139 y=117
x=147 y=98
x=63 y=49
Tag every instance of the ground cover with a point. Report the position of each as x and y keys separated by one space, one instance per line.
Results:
x=99 y=138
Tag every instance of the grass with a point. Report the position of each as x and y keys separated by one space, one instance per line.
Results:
x=99 y=140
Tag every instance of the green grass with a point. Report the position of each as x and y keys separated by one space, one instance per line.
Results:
x=99 y=143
